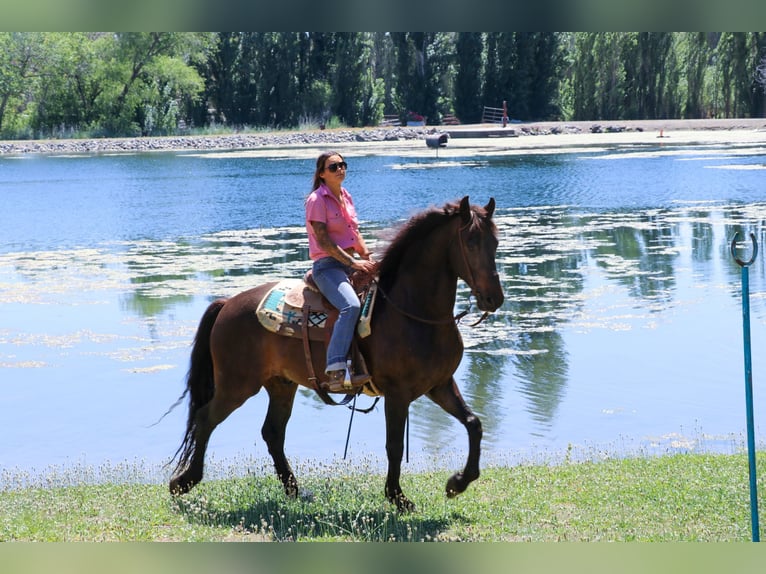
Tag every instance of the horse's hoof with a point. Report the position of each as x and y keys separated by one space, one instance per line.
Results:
x=403 y=504
x=179 y=486
x=456 y=485
x=291 y=490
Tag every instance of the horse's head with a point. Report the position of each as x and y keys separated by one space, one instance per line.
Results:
x=477 y=240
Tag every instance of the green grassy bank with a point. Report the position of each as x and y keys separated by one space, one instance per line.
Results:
x=684 y=497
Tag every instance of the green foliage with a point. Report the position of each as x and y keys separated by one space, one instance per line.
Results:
x=468 y=101
x=352 y=85
x=21 y=56
x=65 y=84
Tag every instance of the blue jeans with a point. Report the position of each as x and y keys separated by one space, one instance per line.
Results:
x=331 y=276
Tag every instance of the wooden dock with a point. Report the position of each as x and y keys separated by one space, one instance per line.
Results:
x=481 y=131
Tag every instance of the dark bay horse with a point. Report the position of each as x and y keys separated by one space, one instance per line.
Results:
x=414 y=349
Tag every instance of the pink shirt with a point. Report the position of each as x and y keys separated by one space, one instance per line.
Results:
x=342 y=224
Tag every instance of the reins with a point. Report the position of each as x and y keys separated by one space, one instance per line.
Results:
x=455 y=319
x=409 y=315
x=459 y=316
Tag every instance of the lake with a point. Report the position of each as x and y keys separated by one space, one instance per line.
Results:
x=621 y=332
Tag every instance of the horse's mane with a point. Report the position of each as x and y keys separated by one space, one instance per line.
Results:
x=413 y=232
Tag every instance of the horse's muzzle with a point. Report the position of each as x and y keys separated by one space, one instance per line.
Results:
x=490 y=300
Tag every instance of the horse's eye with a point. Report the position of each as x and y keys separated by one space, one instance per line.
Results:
x=472 y=242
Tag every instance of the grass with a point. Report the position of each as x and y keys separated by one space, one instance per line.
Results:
x=680 y=497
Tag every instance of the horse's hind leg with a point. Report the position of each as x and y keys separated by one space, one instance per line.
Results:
x=207 y=418
x=448 y=397
x=281 y=398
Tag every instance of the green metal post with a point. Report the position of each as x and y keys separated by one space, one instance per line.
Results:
x=749 y=384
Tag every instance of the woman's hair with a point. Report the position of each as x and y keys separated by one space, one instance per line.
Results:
x=320 y=167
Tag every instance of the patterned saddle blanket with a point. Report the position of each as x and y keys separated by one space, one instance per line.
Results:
x=291 y=302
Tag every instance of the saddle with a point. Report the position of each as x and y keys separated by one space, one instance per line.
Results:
x=296 y=308
x=282 y=310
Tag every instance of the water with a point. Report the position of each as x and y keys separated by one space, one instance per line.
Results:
x=621 y=329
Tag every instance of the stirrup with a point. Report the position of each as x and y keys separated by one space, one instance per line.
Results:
x=341 y=384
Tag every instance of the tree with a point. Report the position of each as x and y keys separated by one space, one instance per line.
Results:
x=384 y=65
x=316 y=76
x=352 y=85
x=283 y=94
x=584 y=96
x=517 y=73
x=522 y=70
x=469 y=50
x=421 y=63
x=694 y=49
x=142 y=69
x=19 y=59
x=760 y=78
x=492 y=93
x=544 y=76
x=71 y=82
x=221 y=78
x=756 y=53
x=736 y=79
x=498 y=71
x=620 y=75
x=613 y=79
x=441 y=70
x=651 y=71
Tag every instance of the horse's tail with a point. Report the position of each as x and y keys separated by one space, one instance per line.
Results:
x=199 y=381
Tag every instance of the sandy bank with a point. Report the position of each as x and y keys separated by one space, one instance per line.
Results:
x=536 y=137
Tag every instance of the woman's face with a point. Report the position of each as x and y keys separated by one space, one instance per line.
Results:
x=334 y=169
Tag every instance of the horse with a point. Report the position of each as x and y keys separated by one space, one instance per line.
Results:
x=413 y=350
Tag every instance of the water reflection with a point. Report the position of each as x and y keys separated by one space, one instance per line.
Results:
x=543 y=375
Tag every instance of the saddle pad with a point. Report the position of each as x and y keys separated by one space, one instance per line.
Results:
x=278 y=315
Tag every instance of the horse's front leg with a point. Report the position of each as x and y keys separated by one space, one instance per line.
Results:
x=448 y=397
x=396 y=410
x=281 y=398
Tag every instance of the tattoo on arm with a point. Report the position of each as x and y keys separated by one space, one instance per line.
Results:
x=323 y=238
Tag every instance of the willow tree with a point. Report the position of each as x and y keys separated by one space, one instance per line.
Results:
x=695 y=52
x=731 y=61
x=357 y=99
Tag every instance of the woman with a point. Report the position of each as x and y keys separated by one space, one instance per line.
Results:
x=334 y=243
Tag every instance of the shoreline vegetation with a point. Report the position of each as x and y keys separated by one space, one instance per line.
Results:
x=671 y=498
x=517 y=134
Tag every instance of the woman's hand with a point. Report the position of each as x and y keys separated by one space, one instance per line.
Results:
x=366 y=265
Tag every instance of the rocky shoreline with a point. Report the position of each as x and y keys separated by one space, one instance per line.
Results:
x=213 y=142
x=353 y=135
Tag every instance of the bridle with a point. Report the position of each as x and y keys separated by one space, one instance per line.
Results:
x=469 y=281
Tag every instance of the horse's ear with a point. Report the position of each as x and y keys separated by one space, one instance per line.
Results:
x=465 y=210
x=490 y=207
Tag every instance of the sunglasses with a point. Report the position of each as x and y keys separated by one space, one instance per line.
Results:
x=333 y=167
